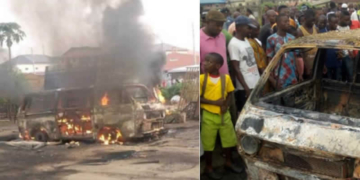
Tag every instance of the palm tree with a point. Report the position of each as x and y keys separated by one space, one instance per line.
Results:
x=10 y=32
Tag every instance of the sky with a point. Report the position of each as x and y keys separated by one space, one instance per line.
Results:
x=174 y=22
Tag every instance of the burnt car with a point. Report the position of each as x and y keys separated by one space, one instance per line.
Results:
x=308 y=130
x=106 y=114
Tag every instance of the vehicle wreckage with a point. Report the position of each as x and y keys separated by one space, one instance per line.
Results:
x=310 y=130
x=109 y=115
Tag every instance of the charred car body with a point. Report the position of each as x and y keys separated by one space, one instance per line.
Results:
x=107 y=114
x=310 y=130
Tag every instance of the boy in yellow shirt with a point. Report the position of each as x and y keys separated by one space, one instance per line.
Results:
x=215 y=99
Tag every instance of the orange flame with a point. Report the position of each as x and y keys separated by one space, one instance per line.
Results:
x=160 y=96
x=107 y=137
x=105 y=100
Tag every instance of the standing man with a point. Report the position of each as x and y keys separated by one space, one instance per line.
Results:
x=321 y=24
x=353 y=13
x=333 y=63
x=260 y=55
x=231 y=29
x=266 y=30
x=249 y=14
x=212 y=40
x=287 y=75
x=286 y=11
x=347 y=64
x=308 y=29
x=229 y=19
x=332 y=10
x=243 y=61
x=264 y=19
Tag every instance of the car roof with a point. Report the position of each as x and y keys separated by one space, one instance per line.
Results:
x=334 y=39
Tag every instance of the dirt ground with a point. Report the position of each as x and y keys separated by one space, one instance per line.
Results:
x=175 y=156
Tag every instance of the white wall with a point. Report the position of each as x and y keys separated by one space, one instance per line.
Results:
x=32 y=68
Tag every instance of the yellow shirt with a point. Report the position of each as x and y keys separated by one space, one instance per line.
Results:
x=213 y=92
x=291 y=22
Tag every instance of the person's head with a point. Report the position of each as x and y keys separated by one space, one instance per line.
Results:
x=236 y=14
x=255 y=31
x=271 y=16
x=318 y=13
x=244 y=26
x=333 y=22
x=332 y=5
x=248 y=12
x=344 y=7
x=266 y=8
x=213 y=63
x=344 y=18
x=283 y=10
x=225 y=12
x=339 y=6
x=309 y=18
x=282 y=21
x=351 y=8
x=321 y=23
x=214 y=22
x=292 y=30
x=301 y=19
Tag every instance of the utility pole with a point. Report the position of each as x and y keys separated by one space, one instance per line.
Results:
x=193 y=38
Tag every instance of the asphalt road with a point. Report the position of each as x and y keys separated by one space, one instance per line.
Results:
x=175 y=156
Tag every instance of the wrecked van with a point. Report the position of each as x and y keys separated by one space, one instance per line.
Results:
x=308 y=130
x=107 y=114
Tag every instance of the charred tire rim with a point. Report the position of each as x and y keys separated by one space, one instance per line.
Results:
x=41 y=136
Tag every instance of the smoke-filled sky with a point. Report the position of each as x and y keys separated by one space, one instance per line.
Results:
x=48 y=23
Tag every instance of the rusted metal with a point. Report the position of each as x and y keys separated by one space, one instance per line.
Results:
x=313 y=127
x=133 y=117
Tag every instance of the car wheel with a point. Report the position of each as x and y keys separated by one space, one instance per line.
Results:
x=41 y=136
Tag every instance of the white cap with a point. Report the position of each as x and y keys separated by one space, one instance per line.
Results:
x=344 y=5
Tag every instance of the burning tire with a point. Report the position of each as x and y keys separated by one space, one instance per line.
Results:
x=41 y=136
x=108 y=135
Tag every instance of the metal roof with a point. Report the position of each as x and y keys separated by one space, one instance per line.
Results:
x=212 y=1
x=32 y=59
x=337 y=39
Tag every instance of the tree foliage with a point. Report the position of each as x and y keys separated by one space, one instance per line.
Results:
x=268 y=4
x=10 y=33
x=169 y=92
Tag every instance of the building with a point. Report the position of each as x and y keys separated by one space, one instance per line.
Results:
x=178 y=57
x=211 y=4
x=31 y=64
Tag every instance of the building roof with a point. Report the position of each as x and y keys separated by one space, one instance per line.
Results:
x=212 y=1
x=31 y=59
x=169 y=47
x=183 y=69
x=342 y=40
x=81 y=51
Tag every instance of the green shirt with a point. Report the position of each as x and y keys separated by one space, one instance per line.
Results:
x=228 y=37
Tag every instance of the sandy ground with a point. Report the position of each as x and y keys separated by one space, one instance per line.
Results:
x=175 y=156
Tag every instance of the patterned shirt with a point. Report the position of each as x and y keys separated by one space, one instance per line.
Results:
x=287 y=75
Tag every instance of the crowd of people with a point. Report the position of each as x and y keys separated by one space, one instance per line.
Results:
x=235 y=50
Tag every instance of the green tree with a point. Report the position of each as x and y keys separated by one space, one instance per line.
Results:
x=10 y=33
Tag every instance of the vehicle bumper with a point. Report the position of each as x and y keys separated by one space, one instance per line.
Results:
x=258 y=169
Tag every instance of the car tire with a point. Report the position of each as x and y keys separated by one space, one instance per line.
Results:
x=41 y=136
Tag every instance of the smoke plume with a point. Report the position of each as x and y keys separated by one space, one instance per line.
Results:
x=112 y=25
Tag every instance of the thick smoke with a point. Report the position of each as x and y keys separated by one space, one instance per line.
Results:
x=129 y=45
x=57 y=25
x=112 y=25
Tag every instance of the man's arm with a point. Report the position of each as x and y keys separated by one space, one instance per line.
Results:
x=239 y=76
x=226 y=105
x=219 y=102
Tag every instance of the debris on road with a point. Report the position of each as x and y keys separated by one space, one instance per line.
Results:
x=72 y=144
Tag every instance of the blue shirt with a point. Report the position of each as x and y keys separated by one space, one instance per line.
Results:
x=331 y=59
x=323 y=30
x=229 y=20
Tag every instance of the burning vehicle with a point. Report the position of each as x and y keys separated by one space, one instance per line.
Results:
x=109 y=115
x=310 y=130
